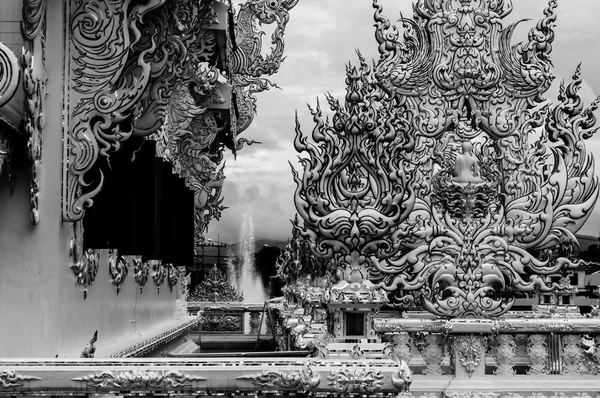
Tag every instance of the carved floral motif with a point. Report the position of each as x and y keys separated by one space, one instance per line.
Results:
x=356 y=380
x=469 y=350
x=305 y=378
x=221 y=323
x=140 y=379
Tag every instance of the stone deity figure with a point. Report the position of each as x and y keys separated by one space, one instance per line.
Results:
x=466 y=169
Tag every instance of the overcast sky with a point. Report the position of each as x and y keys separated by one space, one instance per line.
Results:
x=321 y=38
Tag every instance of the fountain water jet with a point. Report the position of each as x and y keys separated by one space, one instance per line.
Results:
x=249 y=284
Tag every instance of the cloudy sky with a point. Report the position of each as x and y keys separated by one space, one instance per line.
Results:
x=321 y=38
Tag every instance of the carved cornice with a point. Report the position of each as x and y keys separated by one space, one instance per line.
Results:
x=139 y=379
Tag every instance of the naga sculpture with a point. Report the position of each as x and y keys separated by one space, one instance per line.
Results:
x=445 y=177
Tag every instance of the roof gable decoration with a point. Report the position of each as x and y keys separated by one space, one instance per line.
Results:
x=444 y=179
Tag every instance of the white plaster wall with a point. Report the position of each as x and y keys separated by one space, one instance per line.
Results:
x=42 y=311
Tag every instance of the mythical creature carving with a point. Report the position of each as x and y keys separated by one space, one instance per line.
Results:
x=305 y=378
x=140 y=379
x=443 y=178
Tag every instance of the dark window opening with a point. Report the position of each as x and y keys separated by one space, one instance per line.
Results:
x=355 y=324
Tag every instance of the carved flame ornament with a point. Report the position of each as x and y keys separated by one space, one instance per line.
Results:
x=445 y=177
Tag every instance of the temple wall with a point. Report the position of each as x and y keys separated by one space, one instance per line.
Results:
x=42 y=310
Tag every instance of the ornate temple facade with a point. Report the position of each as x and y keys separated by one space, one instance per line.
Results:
x=432 y=254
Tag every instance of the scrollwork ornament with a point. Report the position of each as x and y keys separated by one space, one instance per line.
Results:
x=10 y=379
x=140 y=272
x=10 y=72
x=104 y=97
x=139 y=379
x=117 y=268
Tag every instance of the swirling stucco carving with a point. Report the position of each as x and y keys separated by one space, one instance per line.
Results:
x=140 y=379
x=305 y=378
x=10 y=379
x=10 y=73
x=248 y=67
x=107 y=35
x=442 y=179
x=118 y=268
x=85 y=263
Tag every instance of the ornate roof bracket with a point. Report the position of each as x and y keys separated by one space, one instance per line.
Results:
x=442 y=180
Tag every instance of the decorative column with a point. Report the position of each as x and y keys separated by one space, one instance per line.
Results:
x=537 y=350
x=572 y=355
x=431 y=347
x=505 y=354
